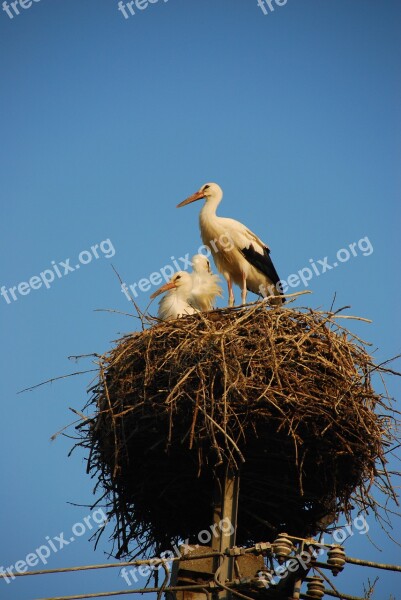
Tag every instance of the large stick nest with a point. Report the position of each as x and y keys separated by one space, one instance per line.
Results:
x=283 y=396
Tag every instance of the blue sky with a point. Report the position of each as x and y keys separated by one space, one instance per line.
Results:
x=106 y=124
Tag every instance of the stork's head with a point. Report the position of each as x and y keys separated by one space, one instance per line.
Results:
x=208 y=191
x=180 y=281
x=201 y=264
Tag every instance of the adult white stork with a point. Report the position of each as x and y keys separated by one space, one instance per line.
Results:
x=205 y=284
x=176 y=302
x=239 y=254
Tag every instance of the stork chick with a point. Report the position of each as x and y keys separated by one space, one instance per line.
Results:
x=176 y=302
x=205 y=283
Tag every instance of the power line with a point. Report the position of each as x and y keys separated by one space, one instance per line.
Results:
x=132 y=563
x=176 y=588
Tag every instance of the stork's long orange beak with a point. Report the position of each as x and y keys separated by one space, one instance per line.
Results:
x=196 y=196
x=164 y=288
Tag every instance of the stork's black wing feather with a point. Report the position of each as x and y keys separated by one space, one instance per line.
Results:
x=262 y=262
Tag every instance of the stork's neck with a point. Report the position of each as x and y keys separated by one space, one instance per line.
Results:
x=208 y=212
x=209 y=221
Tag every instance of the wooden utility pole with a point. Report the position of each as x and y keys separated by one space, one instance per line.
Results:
x=221 y=568
x=225 y=508
x=225 y=514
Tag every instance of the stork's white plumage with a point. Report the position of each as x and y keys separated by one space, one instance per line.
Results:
x=206 y=286
x=239 y=254
x=176 y=302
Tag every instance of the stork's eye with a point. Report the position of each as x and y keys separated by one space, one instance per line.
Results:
x=178 y=277
x=206 y=187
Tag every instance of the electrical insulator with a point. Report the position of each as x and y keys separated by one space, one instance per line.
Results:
x=315 y=588
x=282 y=547
x=336 y=559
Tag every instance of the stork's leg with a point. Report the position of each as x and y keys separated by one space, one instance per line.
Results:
x=230 y=292
x=244 y=290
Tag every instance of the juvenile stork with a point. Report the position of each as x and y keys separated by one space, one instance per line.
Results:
x=176 y=302
x=205 y=284
x=240 y=256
